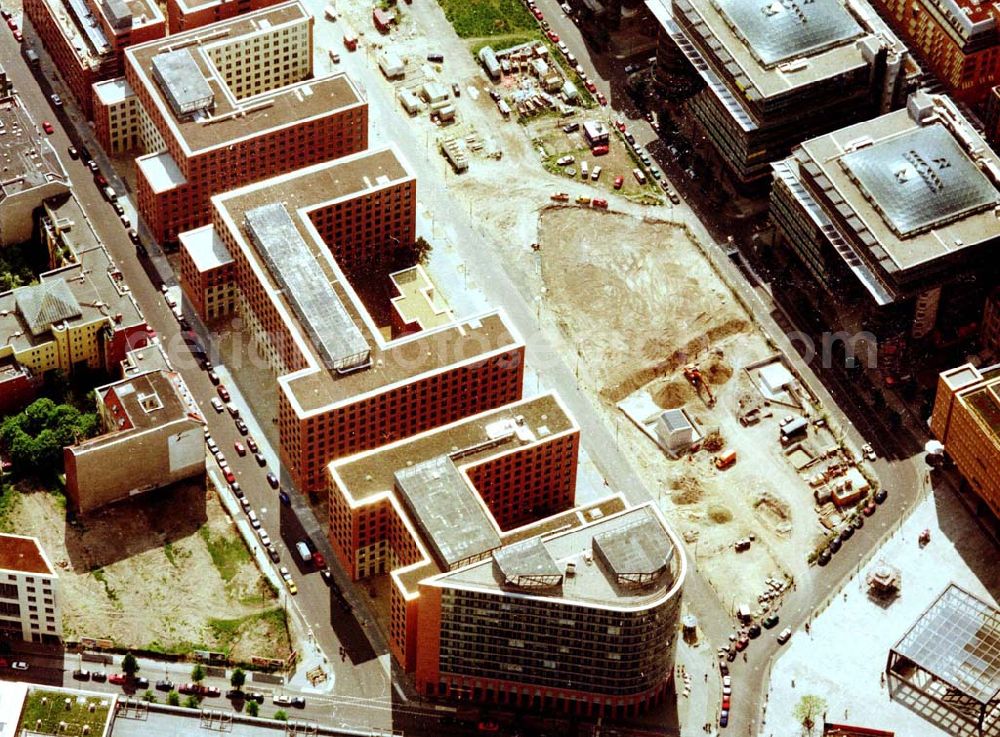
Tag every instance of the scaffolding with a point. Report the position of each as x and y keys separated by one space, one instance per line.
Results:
x=951 y=658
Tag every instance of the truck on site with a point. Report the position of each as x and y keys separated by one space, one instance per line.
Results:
x=725 y=459
x=350 y=40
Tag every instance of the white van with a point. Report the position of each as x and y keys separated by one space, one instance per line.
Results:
x=304 y=553
x=596 y=173
x=584 y=171
x=330 y=12
x=639 y=176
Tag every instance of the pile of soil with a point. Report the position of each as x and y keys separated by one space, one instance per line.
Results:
x=719 y=514
x=686 y=490
x=771 y=509
x=673 y=394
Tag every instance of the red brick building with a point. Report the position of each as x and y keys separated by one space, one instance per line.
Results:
x=86 y=40
x=958 y=39
x=344 y=386
x=223 y=107
x=475 y=522
x=208 y=276
x=185 y=15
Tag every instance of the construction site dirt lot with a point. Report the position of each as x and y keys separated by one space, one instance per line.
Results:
x=635 y=300
x=149 y=577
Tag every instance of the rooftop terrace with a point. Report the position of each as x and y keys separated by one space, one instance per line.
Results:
x=183 y=62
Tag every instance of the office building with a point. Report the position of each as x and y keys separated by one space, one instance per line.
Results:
x=501 y=590
x=966 y=419
x=956 y=39
x=299 y=242
x=895 y=219
x=86 y=38
x=208 y=277
x=151 y=437
x=989 y=332
x=222 y=106
x=774 y=74
x=29 y=592
x=79 y=315
x=185 y=15
x=31 y=172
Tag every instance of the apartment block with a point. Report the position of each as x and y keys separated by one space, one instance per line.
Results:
x=222 y=106
x=345 y=386
x=500 y=592
x=966 y=419
x=956 y=39
x=208 y=274
x=29 y=592
x=31 y=172
x=989 y=332
x=79 y=315
x=86 y=38
x=895 y=217
x=152 y=436
x=186 y=15
x=779 y=73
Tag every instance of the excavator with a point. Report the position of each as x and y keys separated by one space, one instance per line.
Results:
x=693 y=374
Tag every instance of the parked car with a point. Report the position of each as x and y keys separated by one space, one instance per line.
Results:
x=272 y=553
x=233 y=410
x=602 y=99
x=824 y=557
x=868 y=451
x=281 y=700
x=869 y=509
x=47 y=127
x=223 y=392
x=81 y=675
x=770 y=621
x=235 y=694
x=265 y=539
x=619 y=181
x=116 y=678
x=254 y=521
x=784 y=635
x=241 y=426
x=141 y=683
x=284 y=498
x=228 y=474
x=298 y=702
x=214 y=378
x=73 y=153
x=56 y=100
x=240 y=449
x=326 y=575
x=565 y=160
x=217 y=404
x=261 y=460
x=117 y=207
x=133 y=235
x=881 y=495
x=571 y=127
x=319 y=560
x=272 y=480
x=99 y=675
x=252 y=444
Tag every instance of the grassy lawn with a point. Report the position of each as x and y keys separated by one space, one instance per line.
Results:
x=228 y=553
x=54 y=711
x=487 y=18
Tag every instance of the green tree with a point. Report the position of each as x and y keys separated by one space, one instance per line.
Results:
x=191 y=702
x=130 y=666
x=149 y=696
x=253 y=708
x=281 y=715
x=198 y=673
x=238 y=678
x=174 y=698
x=808 y=709
x=35 y=437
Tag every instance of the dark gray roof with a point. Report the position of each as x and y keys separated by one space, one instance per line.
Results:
x=958 y=640
x=527 y=564
x=312 y=297
x=182 y=82
x=455 y=524
x=920 y=179
x=775 y=31
x=675 y=419
x=635 y=550
x=47 y=303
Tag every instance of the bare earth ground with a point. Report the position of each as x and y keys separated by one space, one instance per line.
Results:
x=148 y=576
